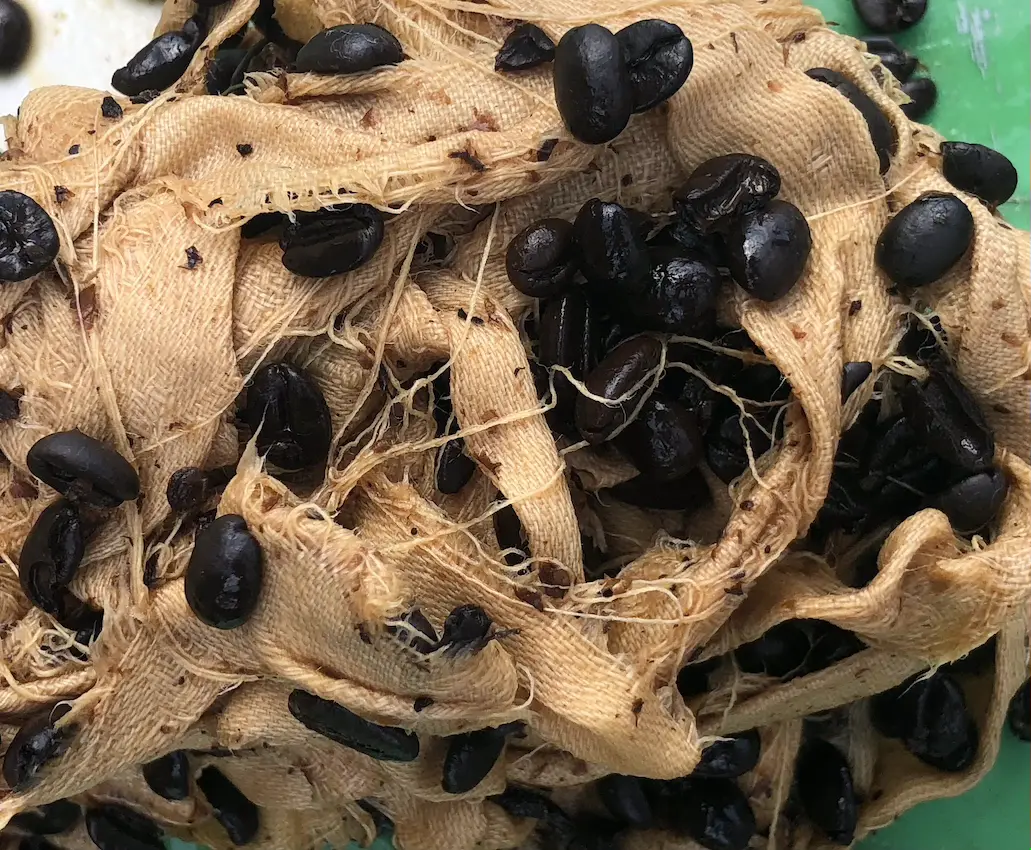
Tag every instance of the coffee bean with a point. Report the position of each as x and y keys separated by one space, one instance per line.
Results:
x=689 y=493
x=169 y=776
x=767 y=250
x=384 y=825
x=829 y=644
x=762 y=382
x=510 y=534
x=890 y=15
x=663 y=441
x=593 y=87
x=1019 y=714
x=112 y=826
x=882 y=134
x=524 y=803
x=567 y=333
x=189 y=488
x=416 y=632
x=925 y=239
x=260 y=224
x=454 y=468
x=83 y=469
x=527 y=46
x=28 y=239
x=466 y=629
x=349 y=49
x=730 y=757
x=897 y=466
x=15 y=35
x=853 y=376
x=161 y=62
x=693 y=679
x=625 y=800
x=333 y=241
x=979 y=170
x=36 y=743
x=55 y=545
x=726 y=448
x=541 y=258
x=619 y=374
x=973 y=502
x=332 y=720
x=826 y=791
x=780 y=652
x=294 y=420
x=223 y=67
x=946 y=417
x=470 y=757
x=239 y=817
x=659 y=58
x=900 y=63
x=923 y=94
x=715 y=813
x=613 y=256
x=264 y=20
x=225 y=572
x=10 y=406
x=724 y=188
x=678 y=296
x=49 y=819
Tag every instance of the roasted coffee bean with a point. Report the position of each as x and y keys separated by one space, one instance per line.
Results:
x=36 y=743
x=853 y=376
x=524 y=803
x=623 y=372
x=829 y=645
x=693 y=679
x=189 y=488
x=510 y=534
x=49 y=819
x=567 y=334
x=292 y=414
x=593 y=87
x=688 y=493
x=826 y=791
x=767 y=250
x=663 y=441
x=112 y=826
x=923 y=94
x=349 y=49
x=222 y=68
x=169 y=776
x=882 y=134
x=899 y=468
x=83 y=469
x=925 y=239
x=1019 y=714
x=724 y=188
x=384 y=825
x=466 y=629
x=715 y=813
x=900 y=63
x=416 y=632
x=261 y=223
x=15 y=35
x=890 y=15
x=541 y=258
x=162 y=62
x=527 y=46
x=55 y=543
x=781 y=651
x=726 y=448
x=973 y=502
x=454 y=468
x=384 y=743
x=332 y=241
x=470 y=757
x=979 y=170
x=947 y=418
x=28 y=239
x=224 y=575
x=678 y=295
x=694 y=394
x=762 y=382
x=264 y=20
x=613 y=256
x=659 y=57
x=730 y=757
x=239 y=817
x=10 y=406
x=626 y=801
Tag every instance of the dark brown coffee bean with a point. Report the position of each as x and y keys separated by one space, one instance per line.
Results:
x=467 y=629
x=15 y=35
x=454 y=468
x=291 y=412
x=160 y=63
x=613 y=256
x=470 y=757
x=724 y=188
x=882 y=134
x=973 y=502
x=659 y=58
x=678 y=296
x=890 y=15
x=349 y=49
x=112 y=826
x=332 y=241
x=900 y=63
x=541 y=258
x=527 y=46
x=626 y=801
x=853 y=376
x=730 y=757
x=663 y=441
x=28 y=239
x=767 y=250
x=36 y=743
x=925 y=239
x=715 y=813
x=923 y=94
x=687 y=493
x=49 y=819
x=83 y=469
x=332 y=720
x=169 y=776
x=826 y=791
x=947 y=418
x=1019 y=714
x=55 y=544
x=567 y=334
x=225 y=572
x=623 y=372
x=593 y=89
x=979 y=170
x=239 y=817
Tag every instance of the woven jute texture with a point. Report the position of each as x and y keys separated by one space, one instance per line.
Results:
x=129 y=342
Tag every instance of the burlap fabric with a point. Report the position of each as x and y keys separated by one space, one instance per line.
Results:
x=127 y=342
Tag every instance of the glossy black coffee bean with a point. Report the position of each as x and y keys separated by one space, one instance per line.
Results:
x=1019 y=713
x=693 y=679
x=767 y=250
x=28 y=239
x=979 y=170
x=527 y=46
x=15 y=35
x=694 y=394
x=49 y=819
x=55 y=544
x=762 y=382
x=332 y=720
x=225 y=572
x=349 y=49
x=567 y=333
x=882 y=134
x=724 y=188
x=222 y=68
x=112 y=826
x=900 y=63
x=947 y=418
x=623 y=374
x=333 y=241
x=470 y=757
x=781 y=651
x=689 y=493
x=678 y=295
x=626 y=801
x=899 y=458
x=715 y=813
x=726 y=448
x=925 y=239
x=973 y=502
x=663 y=441
x=890 y=15
x=613 y=256
x=510 y=534
x=189 y=488
x=541 y=258
x=829 y=644
x=292 y=414
x=83 y=469
x=238 y=816
x=659 y=57
x=169 y=776
x=160 y=63
x=454 y=468
x=853 y=376
x=466 y=629
x=593 y=88
x=730 y=757
x=826 y=790
x=36 y=743
x=923 y=94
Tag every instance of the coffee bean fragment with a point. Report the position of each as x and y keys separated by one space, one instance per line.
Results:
x=1019 y=714
x=925 y=239
x=49 y=819
x=224 y=574
x=973 y=502
x=169 y=776
x=890 y=15
x=333 y=721
x=613 y=254
x=527 y=46
x=161 y=62
x=28 y=239
x=332 y=241
x=15 y=35
x=946 y=417
x=112 y=826
x=593 y=87
x=853 y=376
x=663 y=441
x=683 y=494
x=724 y=188
x=349 y=49
x=826 y=791
x=900 y=63
x=470 y=757
x=36 y=743
x=238 y=816
x=622 y=377
x=626 y=801
x=713 y=812
x=110 y=108
x=882 y=134
x=659 y=58
x=767 y=250
x=979 y=170
x=923 y=94
x=83 y=469
x=731 y=756
x=541 y=258
x=290 y=415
